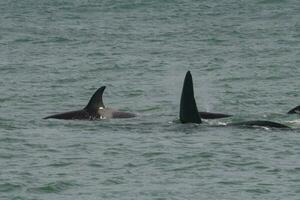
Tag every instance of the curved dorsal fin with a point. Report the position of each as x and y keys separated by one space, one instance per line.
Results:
x=188 y=108
x=295 y=110
x=96 y=100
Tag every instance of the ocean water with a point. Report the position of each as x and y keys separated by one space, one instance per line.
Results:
x=245 y=60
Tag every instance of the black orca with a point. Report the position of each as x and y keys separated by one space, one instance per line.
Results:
x=259 y=123
x=95 y=109
x=210 y=115
x=295 y=110
x=189 y=112
x=188 y=108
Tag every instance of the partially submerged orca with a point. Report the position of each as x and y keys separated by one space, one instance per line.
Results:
x=210 y=115
x=259 y=123
x=295 y=110
x=95 y=109
x=188 y=112
x=188 y=107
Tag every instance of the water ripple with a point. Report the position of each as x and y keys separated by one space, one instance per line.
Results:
x=53 y=187
x=9 y=187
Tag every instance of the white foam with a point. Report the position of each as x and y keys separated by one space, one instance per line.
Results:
x=297 y=121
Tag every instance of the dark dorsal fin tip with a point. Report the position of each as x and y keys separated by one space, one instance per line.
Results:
x=295 y=110
x=188 y=108
x=96 y=100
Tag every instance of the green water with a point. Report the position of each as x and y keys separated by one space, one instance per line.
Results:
x=244 y=57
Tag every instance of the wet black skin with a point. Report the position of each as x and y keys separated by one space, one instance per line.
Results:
x=189 y=113
x=188 y=108
x=295 y=110
x=262 y=123
x=77 y=114
x=95 y=109
x=210 y=115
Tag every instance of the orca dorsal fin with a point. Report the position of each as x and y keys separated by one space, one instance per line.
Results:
x=96 y=100
x=188 y=109
x=295 y=110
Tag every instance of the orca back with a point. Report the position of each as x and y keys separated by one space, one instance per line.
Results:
x=295 y=110
x=90 y=111
x=210 y=115
x=260 y=123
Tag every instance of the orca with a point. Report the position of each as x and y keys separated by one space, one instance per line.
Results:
x=188 y=108
x=95 y=109
x=210 y=115
x=188 y=112
x=259 y=123
x=295 y=110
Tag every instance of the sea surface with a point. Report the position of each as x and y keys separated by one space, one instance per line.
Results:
x=245 y=60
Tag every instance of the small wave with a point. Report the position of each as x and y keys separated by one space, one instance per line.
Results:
x=96 y=54
x=7 y=140
x=60 y=164
x=95 y=164
x=51 y=40
x=295 y=170
x=187 y=168
x=233 y=182
x=53 y=187
x=8 y=125
x=9 y=187
x=153 y=108
x=258 y=190
x=222 y=123
x=21 y=40
x=152 y=154
x=114 y=181
x=241 y=163
x=271 y=1
x=297 y=122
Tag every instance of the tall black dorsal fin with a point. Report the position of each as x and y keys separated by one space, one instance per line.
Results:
x=188 y=109
x=96 y=100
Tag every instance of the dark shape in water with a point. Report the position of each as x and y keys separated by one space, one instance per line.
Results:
x=295 y=110
x=188 y=107
x=260 y=123
x=189 y=112
x=210 y=115
x=95 y=109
